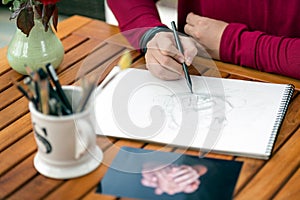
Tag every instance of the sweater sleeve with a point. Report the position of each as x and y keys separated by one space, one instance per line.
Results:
x=258 y=50
x=135 y=17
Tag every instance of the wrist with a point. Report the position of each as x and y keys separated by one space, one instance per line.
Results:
x=149 y=35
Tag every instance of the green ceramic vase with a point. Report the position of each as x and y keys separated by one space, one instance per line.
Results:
x=36 y=50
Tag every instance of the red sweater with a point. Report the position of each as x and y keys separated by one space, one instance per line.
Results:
x=262 y=34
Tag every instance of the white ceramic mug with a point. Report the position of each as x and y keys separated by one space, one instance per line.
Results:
x=66 y=144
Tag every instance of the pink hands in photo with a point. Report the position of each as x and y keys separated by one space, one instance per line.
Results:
x=174 y=179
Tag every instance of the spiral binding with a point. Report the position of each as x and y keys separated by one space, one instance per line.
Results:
x=287 y=95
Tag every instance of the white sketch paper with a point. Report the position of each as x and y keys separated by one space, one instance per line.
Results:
x=228 y=116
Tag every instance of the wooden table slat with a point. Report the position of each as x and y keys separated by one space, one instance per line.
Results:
x=88 y=182
x=257 y=75
x=158 y=147
x=13 y=112
x=40 y=185
x=96 y=70
x=13 y=93
x=246 y=72
x=249 y=169
x=93 y=195
x=17 y=152
x=77 y=54
x=108 y=33
x=16 y=177
x=252 y=166
x=71 y=24
x=72 y=41
x=292 y=186
x=279 y=168
x=15 y=131
x=7 y=78
x=98 y=29
x=4 y=63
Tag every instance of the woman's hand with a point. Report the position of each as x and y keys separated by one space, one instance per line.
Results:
x=164 y=60
x=206 y=31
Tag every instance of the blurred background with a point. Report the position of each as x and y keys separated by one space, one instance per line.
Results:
x=97 y=9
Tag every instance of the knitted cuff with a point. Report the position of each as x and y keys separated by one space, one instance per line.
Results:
x=149 y=35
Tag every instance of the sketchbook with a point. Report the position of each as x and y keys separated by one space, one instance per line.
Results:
x=227 y=116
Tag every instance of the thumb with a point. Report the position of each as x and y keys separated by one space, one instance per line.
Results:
x=190 y=50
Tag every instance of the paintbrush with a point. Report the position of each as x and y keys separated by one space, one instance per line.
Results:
x=26 y=93
x=88 y=87
x=124 y=63
x=87 y=90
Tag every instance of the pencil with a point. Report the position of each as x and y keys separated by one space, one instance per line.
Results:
x=36 y=80
x=58 y=87
x=62 y=107
x=184 y=66
x=54 y=94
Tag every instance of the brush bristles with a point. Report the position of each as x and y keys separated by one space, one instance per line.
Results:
x=125 y=61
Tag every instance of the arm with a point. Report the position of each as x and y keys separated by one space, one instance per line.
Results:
x=162 y=58
x=234 y=43
x=132 y=14
x=258 y=50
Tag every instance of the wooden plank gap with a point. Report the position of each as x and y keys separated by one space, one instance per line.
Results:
x=284 y=183
x=8 y=115
x=268 y=180
x=75 y=45
x=292 y=186
x=17 y=177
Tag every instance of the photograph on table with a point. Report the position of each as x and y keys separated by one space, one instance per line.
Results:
x=147 y=174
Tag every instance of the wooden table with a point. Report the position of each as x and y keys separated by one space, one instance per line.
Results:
x=278 y=178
